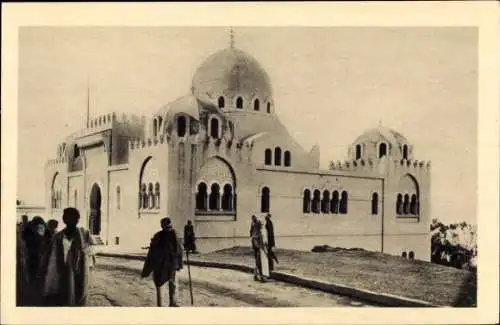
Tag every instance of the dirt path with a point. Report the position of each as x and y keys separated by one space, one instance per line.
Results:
x=117 y=283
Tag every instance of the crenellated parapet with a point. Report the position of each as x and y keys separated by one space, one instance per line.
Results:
x=411 y=166
x=107 y=121
x=101 y=121
x=353 y=165
x=233 y=149
x=57 y=161
x=138 y=144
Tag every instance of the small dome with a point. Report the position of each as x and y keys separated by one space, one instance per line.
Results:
x=382 y=133
x=229 y=73
x=188 y=105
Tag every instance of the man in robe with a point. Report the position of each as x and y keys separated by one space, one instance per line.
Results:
x=270 y=241
x=259 y=242
x=164 y=259
x=189 y=237
x=66 y=269
x=34 y=240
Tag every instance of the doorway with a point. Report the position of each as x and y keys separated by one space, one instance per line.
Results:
x=95 y=210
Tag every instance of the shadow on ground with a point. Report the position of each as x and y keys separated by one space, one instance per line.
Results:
x=467 y=295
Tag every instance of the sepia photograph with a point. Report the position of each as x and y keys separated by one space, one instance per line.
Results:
x=239 y=165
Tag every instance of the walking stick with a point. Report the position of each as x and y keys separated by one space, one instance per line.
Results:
x=189 y=276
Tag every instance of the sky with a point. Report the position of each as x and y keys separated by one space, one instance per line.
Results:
x=330 y=85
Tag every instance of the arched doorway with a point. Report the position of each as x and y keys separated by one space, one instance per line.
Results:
x=95 y=210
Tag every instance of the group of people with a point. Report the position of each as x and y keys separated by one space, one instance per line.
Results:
x=54 y=266
x=262 y=240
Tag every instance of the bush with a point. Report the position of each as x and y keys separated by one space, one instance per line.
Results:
x=453 y=245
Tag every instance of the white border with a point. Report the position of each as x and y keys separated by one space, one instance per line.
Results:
x=474 y=13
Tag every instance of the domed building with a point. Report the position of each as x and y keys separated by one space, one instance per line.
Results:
x=219 y=154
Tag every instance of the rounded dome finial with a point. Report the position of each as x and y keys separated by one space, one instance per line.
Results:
x=231 y=37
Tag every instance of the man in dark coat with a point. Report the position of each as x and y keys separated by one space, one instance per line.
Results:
x=270 y=241
x=164 y=259
x=34 y=239
x=189 y=237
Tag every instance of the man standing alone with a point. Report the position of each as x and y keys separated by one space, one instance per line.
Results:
x=270 y=241
x=189 y=237
x=164 y=259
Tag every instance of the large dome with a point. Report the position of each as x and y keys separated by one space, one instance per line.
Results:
x=231 y=73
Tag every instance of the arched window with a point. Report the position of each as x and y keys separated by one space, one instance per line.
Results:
x=410 y=200
x=414 y=205
x=316 y=201
x=399 y=205
x=239 y=102
x=214 y=128
x=140 y=197
x=214 y=199
x=403 y=255
x=151 y=197
x=221 y=102
x=256 y=104
x=375 y=203
x=406 y=204
x=201 y=197
x=55 y=191
x=157 y=195
x=343 y=202
x=117 y=197
x=264 y=200
x=76 y=151
x=277 y=156
x=358 y=151
x=405 y=152
x=334 y=204
x=411 y=255
x=160 y=119
x=144 y=197
x=268 y=107
x=155 y=127
x=306 y=206
x=227 y=198
x=382 y=150
x=181 y=126
x=268 y=157
x=325 y=202
x=288 y=159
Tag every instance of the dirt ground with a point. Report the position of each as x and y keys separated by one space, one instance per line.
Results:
x=117 y=282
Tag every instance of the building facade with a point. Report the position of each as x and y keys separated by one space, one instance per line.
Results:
x=220 y=154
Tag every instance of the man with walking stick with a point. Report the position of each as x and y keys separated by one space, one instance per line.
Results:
x=164 y=259
x=189 y=276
